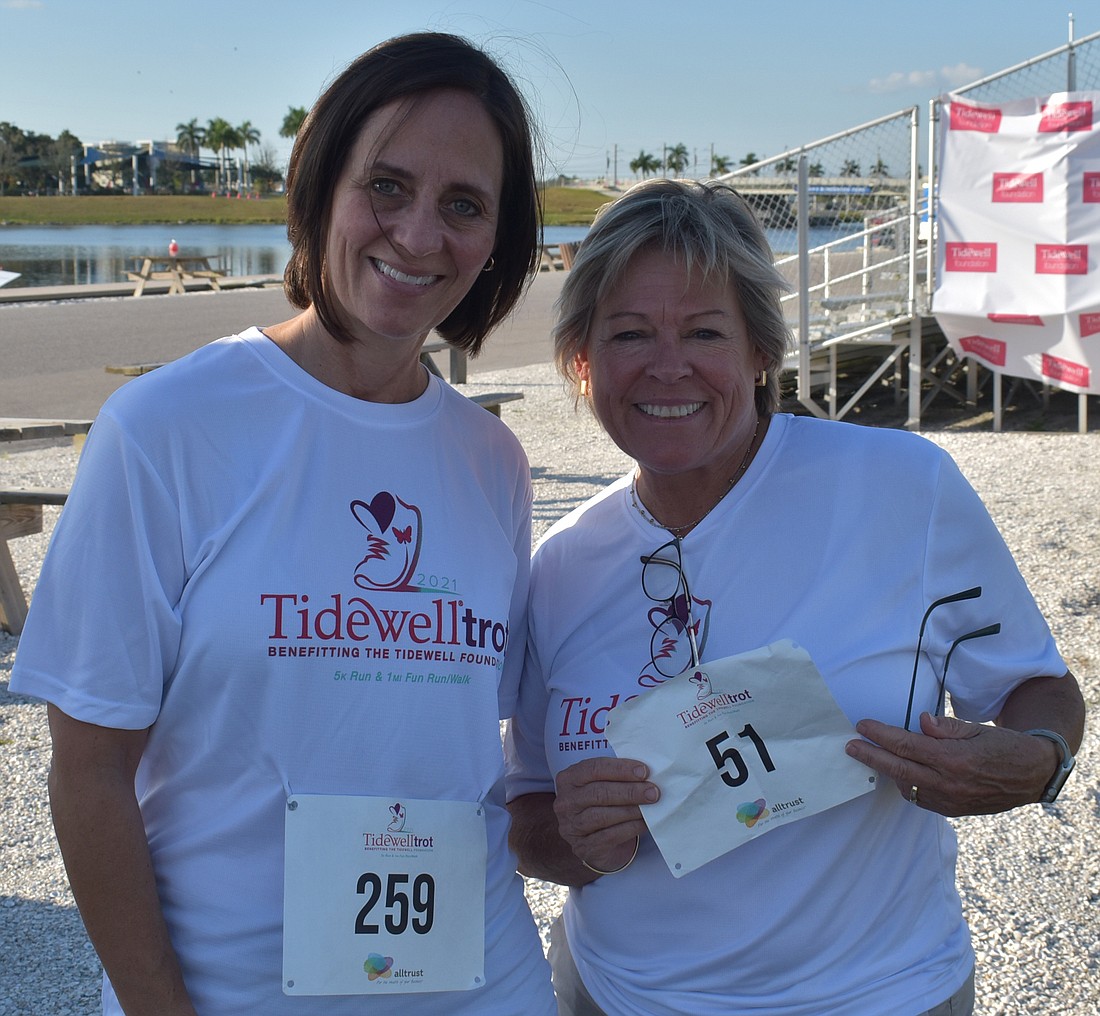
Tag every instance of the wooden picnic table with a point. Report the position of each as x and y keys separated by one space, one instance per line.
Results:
x=175 y=269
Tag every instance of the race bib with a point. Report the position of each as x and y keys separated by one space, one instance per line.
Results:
x=383 y=896
x=738 y=747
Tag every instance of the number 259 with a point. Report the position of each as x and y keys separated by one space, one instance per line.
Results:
x=397 y=903
x=732 y=756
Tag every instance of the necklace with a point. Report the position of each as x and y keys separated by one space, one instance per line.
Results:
x=679 y=531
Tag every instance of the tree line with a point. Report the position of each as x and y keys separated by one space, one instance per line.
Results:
x=677 y=158
x=32 y=163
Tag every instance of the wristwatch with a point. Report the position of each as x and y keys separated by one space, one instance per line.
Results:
x=1065 y=767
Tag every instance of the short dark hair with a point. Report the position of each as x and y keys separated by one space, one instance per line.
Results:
x=402 y=68
x=712 y=229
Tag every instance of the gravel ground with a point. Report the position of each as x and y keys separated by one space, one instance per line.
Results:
x=1030 y=880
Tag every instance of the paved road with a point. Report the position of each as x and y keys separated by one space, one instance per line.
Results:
x=52 y=355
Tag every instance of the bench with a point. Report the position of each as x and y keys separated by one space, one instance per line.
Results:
x=20 y=515
x=491 y=401
x=557 y=257
x=19 y=428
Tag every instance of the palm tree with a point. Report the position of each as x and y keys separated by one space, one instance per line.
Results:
x=676 y=159
x=221 y=136
x=784 y=167
x=292 y=122
x=247 y=135
x=880 y=168
x=816 y=169
x=850 y=168
x=645 y=164
x=190 y=137
x=750 y=159
x=719 y=164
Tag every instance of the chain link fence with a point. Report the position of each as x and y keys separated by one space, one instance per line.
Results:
x=850 y=265
x=861 y=267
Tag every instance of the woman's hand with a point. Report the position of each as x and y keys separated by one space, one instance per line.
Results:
x=961 y=768
x=958 y=768
x=598 y=809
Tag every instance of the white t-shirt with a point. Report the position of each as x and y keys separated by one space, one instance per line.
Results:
x=300 y=593
x=838 y=537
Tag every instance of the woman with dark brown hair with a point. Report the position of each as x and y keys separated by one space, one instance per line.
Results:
x=292 y=573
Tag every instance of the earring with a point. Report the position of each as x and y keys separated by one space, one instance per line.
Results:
x=490 y=264
x=586 y=388
x=762 y=380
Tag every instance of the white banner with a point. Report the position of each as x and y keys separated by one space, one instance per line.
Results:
x=1018 y=236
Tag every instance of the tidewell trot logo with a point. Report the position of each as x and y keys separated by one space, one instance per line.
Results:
x=394 y=532
x=369 y=614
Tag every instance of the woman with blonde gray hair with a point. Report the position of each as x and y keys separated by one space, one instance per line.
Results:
x=742 y=529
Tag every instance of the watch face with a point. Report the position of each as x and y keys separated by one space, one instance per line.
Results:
x=1059 y=781
x=1065 y=767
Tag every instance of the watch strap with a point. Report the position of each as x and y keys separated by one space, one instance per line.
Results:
x=1065 y=766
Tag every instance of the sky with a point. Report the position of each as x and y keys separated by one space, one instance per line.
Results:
x=605 y=79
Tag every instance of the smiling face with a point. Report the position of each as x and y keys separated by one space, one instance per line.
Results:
x=414 y=215
x=672 y=372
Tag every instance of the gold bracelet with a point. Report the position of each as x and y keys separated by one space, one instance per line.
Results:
x=637 y=843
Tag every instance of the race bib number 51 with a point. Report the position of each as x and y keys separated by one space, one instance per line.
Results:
x=738 y=747
x=383 y=896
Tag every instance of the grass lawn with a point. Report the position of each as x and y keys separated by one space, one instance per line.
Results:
x=564 y=206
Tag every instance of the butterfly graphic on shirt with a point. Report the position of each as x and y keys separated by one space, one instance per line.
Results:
x=394 y=531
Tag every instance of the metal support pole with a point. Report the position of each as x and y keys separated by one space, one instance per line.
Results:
x=915 y=353
x=804 y=395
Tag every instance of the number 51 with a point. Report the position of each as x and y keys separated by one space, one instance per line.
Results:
x=733 y=756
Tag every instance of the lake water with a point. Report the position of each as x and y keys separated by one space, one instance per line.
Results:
x=85 y=255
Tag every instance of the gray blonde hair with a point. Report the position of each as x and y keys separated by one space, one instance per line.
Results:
x=711 y=229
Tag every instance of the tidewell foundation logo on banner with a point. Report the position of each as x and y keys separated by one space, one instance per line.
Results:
x=974 y=118
x=971 y=257
x=1066 y=371
x=1089 y=324
x=991 y=350
x=1061 y=258
x=1017 y=188
x=1066 y=116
